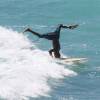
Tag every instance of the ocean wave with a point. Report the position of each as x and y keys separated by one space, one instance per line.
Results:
x=24 y=72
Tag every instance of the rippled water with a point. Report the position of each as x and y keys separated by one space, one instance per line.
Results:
x=27 y=71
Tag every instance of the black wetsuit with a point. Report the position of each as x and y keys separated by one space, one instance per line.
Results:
x=54 y=36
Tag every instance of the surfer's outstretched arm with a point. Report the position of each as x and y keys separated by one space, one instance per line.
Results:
x=35 y=33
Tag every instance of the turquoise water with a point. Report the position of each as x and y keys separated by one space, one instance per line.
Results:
x=43 y=16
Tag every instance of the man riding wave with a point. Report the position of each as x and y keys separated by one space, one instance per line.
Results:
x=54 y=36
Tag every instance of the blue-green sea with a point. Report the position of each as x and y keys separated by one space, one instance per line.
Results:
x=19 y=79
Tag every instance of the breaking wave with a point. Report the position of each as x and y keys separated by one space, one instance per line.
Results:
x=25 y=69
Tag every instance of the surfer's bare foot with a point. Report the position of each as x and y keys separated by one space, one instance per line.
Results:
x=27 y=30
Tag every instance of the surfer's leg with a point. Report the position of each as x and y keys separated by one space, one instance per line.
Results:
x=46 y=36
x=35 y=33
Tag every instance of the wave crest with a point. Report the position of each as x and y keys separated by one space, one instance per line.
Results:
x=24 y=72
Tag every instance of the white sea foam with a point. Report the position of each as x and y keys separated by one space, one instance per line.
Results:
x=24 y=72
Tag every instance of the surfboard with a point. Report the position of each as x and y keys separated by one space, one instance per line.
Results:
x=71 y=60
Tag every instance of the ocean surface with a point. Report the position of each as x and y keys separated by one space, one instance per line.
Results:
x=27 y=72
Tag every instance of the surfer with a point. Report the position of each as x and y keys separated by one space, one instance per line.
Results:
x=54 y=36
